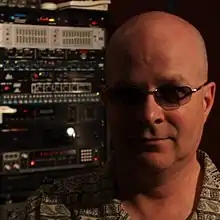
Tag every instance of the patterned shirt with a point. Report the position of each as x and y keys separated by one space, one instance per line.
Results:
x=92 y=197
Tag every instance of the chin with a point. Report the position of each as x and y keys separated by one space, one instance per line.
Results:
x=157 y=160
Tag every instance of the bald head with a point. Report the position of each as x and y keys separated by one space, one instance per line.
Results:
x=152 y=63
x=156 y=39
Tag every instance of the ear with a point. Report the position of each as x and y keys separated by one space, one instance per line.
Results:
x=209 y=98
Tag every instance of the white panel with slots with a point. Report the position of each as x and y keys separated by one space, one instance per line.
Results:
x=43 y=37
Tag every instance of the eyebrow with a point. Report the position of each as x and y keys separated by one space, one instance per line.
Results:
x=175 y=79
x=178 y=80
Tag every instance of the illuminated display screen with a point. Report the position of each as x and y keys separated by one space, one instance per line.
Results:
x=47 y=20
x=18 y=18
x=54 y=153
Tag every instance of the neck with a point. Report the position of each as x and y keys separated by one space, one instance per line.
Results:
x=180 y=179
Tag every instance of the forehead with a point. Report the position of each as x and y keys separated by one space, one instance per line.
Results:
x=154 y=59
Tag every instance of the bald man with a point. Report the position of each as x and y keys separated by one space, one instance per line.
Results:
x=158 y=98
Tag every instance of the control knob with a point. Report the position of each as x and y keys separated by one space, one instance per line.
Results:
x=24 y=155
x=16 y=166
x=83 y=56
x=71 y=132
x=7 y=167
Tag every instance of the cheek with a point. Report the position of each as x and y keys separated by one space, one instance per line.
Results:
x=188 y=124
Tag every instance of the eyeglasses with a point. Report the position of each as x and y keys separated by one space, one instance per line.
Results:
x=167 y=96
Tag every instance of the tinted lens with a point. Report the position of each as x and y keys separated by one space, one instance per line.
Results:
x=127 y=96
x=173 y=96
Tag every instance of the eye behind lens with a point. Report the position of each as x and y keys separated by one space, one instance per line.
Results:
x=171 y=98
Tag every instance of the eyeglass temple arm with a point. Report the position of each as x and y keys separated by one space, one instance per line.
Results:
x=197 y=89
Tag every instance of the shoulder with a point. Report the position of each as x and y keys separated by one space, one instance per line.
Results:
x=211 y=174
x=209 y=203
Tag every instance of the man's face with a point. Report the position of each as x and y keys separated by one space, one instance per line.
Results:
x=142 y=129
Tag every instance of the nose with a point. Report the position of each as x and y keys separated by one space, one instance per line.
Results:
x=152 y=112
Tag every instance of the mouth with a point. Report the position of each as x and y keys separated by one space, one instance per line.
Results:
x=143 y=145
x=148 y=141
x=152 y=140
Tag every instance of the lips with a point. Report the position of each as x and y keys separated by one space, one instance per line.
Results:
x=144 y=139
x=153 y=139
x=149 y=139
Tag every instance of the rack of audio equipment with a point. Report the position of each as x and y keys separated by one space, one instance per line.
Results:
x=52 y=120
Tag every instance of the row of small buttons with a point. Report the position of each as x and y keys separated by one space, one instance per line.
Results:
x=28 y=96
x=35 y=101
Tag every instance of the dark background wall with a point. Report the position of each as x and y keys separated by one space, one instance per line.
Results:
x=205 y=15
